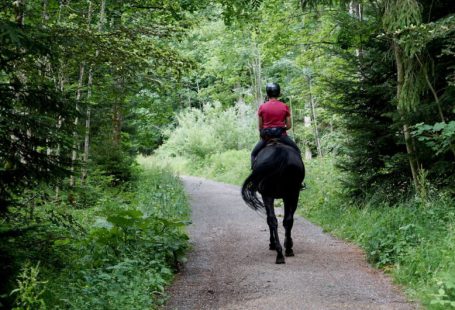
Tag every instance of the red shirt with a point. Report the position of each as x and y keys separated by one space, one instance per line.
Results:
x=273 y=113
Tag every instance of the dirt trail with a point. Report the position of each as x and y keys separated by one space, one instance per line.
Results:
x=230 y=266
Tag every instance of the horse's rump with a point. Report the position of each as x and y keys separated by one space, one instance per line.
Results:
x=278 y=169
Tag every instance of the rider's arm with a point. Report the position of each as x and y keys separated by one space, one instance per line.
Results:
x=260 y=122
x=288 y=123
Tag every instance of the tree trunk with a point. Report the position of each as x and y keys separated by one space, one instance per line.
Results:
x=315 y=121
x=20 y=12
x=87 y=128
x=61 y=83
x=76 y=122
x=102 y=15
x=292 y=118
x=406 y=132
x=117 y=120
x=307 y=123
x=59 y=16
x=117 y=114
x=45 y=14
x=89 y=15
x=355 y=10
x=88 y=112
x=256 y=68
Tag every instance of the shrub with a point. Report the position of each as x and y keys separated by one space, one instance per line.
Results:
x=444 y=297
x=413 y=239
x=29 y=289
x=202 y=133
x=232 y=166
x=119 y=253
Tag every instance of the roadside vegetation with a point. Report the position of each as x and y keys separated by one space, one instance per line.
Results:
x=412 y=239
x=82 y=226
x=118 y=252
x=87 y=87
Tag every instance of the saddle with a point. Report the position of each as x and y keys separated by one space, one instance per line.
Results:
x=275 y=133
x=273 y=141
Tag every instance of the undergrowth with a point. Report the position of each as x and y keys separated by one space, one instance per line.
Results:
x=414 y=240
x=118 y=253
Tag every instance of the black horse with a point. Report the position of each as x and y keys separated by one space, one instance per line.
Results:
x=278 y=172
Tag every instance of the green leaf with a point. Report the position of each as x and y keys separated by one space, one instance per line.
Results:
x=61 y=242
x=439 y=126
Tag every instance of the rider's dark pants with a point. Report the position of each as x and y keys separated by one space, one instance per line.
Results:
x=262 y=143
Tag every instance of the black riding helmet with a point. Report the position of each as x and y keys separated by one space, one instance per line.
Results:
x=272 y=90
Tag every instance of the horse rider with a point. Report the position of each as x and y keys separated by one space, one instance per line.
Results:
x=274 y=120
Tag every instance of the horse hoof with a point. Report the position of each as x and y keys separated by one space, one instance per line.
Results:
x=272 y=247
x=289 y=253
x=280 y=259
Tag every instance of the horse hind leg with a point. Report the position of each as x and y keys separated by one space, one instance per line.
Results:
x=288 y=222
x=290 y=205
x=270 y=223
x=272 y=244
x=288 y=246
x=273 y=226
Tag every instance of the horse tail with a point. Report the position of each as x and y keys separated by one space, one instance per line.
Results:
x=249 y=189
x=260 y=173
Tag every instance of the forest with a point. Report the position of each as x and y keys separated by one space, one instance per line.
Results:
x=104 y=103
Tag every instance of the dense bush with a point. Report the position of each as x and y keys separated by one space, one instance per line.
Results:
x=413 y=239
x=214 y=142
x=202 y=133
x=117 y=254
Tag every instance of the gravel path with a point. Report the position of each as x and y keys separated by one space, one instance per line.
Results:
x=230 y=266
